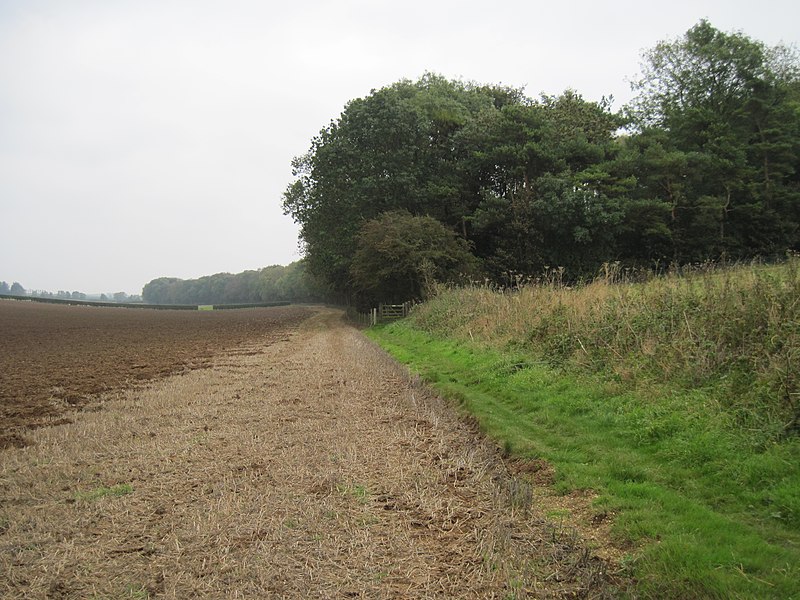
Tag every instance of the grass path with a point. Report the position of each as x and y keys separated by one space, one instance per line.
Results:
x=304 y=464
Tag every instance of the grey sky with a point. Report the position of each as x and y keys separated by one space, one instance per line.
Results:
x=141 y=139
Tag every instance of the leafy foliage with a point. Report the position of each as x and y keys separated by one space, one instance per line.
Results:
x=400 y=256
x=708 y=167
x=394 y=150
x=270 y=284
x=719 y=123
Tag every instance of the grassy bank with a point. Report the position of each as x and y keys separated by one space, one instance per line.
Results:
x=675 y=399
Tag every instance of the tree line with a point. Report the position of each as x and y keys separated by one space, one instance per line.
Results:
x=275 y=283
x=17 y=289
x=433 y=179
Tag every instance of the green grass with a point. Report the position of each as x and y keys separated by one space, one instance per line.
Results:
x=711 y=509
x=97 y=493
x=354 y=490
x=734 y=331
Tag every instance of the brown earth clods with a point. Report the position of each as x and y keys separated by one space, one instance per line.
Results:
x=301 y=463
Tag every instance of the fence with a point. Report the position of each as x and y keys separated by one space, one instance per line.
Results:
x=383 y=313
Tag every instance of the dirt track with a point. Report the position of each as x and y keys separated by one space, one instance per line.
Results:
x=303 y=465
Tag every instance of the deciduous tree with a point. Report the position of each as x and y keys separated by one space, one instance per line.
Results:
x=724 y=109
x=400 y=256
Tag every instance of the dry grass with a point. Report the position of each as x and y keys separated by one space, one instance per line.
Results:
x=734 y=327
x=306 y=467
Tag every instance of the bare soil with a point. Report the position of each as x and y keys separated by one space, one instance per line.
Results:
x=299 y=464
x=55 y=357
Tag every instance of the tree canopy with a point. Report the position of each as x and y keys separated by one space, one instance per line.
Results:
x=400 y=256
x=702 y=164
x=718 y=143
x=270 y=284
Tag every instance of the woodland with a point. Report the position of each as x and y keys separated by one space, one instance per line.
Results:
x=440 y=180
x=434 y=179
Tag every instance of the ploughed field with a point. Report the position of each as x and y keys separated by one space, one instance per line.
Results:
x=55 y=358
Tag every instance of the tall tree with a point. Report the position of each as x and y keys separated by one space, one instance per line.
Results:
x=548 y=196
x=396 y=149
x=725 y=105
x=708 y=167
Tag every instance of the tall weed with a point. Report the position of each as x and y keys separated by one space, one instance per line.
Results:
x=734 y=330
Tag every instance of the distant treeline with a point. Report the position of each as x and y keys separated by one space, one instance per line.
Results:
x=423 y=181
x=98 y=303
x=276 y=283
x=16 y=289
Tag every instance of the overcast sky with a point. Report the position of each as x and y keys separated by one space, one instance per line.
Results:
x=141 y=139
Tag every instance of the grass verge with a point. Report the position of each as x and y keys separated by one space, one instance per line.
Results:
x=708 y=506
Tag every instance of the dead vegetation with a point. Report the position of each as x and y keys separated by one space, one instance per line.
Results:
x=307 y=465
